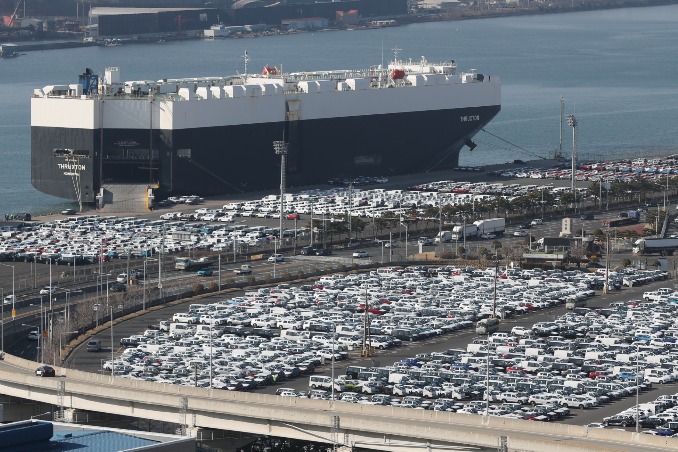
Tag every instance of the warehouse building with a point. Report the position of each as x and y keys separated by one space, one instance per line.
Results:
x=135 y=21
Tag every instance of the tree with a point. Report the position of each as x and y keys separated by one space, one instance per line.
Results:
x=625 y=262
x=577 y=254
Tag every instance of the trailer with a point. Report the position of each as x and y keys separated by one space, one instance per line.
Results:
x=186 y=264
x=443 y=237
x=460 y=232
x=655 y=246
x=491 y=226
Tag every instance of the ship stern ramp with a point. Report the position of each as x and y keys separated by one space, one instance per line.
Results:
x=131 y=198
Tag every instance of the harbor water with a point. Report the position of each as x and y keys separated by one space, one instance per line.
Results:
x=616 y=70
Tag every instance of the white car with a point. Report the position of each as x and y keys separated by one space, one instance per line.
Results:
x=360 y=254
x=48 y=290
x=520 y=233
x=537 y=222
x=9 y=299
x=520 y=330
x=276 y=258
x=33 y=335
x=487 y=235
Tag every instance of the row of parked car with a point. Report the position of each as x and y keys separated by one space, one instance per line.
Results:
x=612 y=171
x=272 y=330
x=272 y=334
x=611 y=353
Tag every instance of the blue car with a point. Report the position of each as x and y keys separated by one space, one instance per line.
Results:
x=660 y=431
x=205 y=272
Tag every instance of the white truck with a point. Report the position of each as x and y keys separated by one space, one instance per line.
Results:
x=443 y=237
x=468 y=231
x=491 y=226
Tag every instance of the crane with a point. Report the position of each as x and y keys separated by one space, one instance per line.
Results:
x=13 y=16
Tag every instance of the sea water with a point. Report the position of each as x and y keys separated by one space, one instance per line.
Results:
x=616 y=70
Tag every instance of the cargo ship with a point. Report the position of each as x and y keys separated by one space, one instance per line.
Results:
x=215 y=135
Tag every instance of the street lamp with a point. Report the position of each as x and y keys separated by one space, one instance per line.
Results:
x=13 y=293
x=406 y=237
x=112 y=343
x=572 y=122
x=2 y=320
x=637 y=389
x=280 y=148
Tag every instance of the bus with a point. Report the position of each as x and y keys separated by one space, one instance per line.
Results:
x=487 y=326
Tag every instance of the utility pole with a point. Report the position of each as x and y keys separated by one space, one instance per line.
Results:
x=280 y=148
x=572 y=122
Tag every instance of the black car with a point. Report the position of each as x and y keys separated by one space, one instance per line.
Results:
x=651 y=422
x=308 y=251
x=68 y=212
x=45 y=371
x=118 y=287
x=323 y=252
x=623 y=421
x=587 y=216
x=525 y=226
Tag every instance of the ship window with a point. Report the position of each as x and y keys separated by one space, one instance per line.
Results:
x=63 y=152
x=184 y=153
x=131 y=154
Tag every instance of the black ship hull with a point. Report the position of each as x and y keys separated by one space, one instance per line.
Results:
x=238 y=158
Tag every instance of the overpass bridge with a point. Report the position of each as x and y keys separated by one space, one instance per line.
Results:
x=366 y=426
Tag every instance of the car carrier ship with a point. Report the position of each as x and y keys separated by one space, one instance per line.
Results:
x=215 y=135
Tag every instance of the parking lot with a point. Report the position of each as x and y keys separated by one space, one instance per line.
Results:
x=424 y=319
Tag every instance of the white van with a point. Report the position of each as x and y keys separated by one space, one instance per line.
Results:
x=323 y=382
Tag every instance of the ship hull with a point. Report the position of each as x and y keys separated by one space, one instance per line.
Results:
x=235 y=158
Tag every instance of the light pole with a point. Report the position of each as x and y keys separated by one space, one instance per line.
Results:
x=211 y=325
x=112 y=338
x=275 y=252
x=334 y=333
x=37 y=352
x=406 y=237
x=2 y=322
x=13 y=293
x=280 y=148
x=487 y=377
x=572 y=122
x=143 y=296
x=637 y=389
x=219 y=277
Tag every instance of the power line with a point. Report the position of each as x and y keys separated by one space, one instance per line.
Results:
x=515 y=145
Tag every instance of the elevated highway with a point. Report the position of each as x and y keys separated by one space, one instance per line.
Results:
x=374 y=427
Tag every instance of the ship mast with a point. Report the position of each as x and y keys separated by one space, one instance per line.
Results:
x=246 y=58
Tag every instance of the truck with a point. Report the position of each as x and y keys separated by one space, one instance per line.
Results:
x=244 y=269
x=655 y=246
x=491 y=226
x=443 y=237
x=625 y=218
x=460 y=232
x=186 y=264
